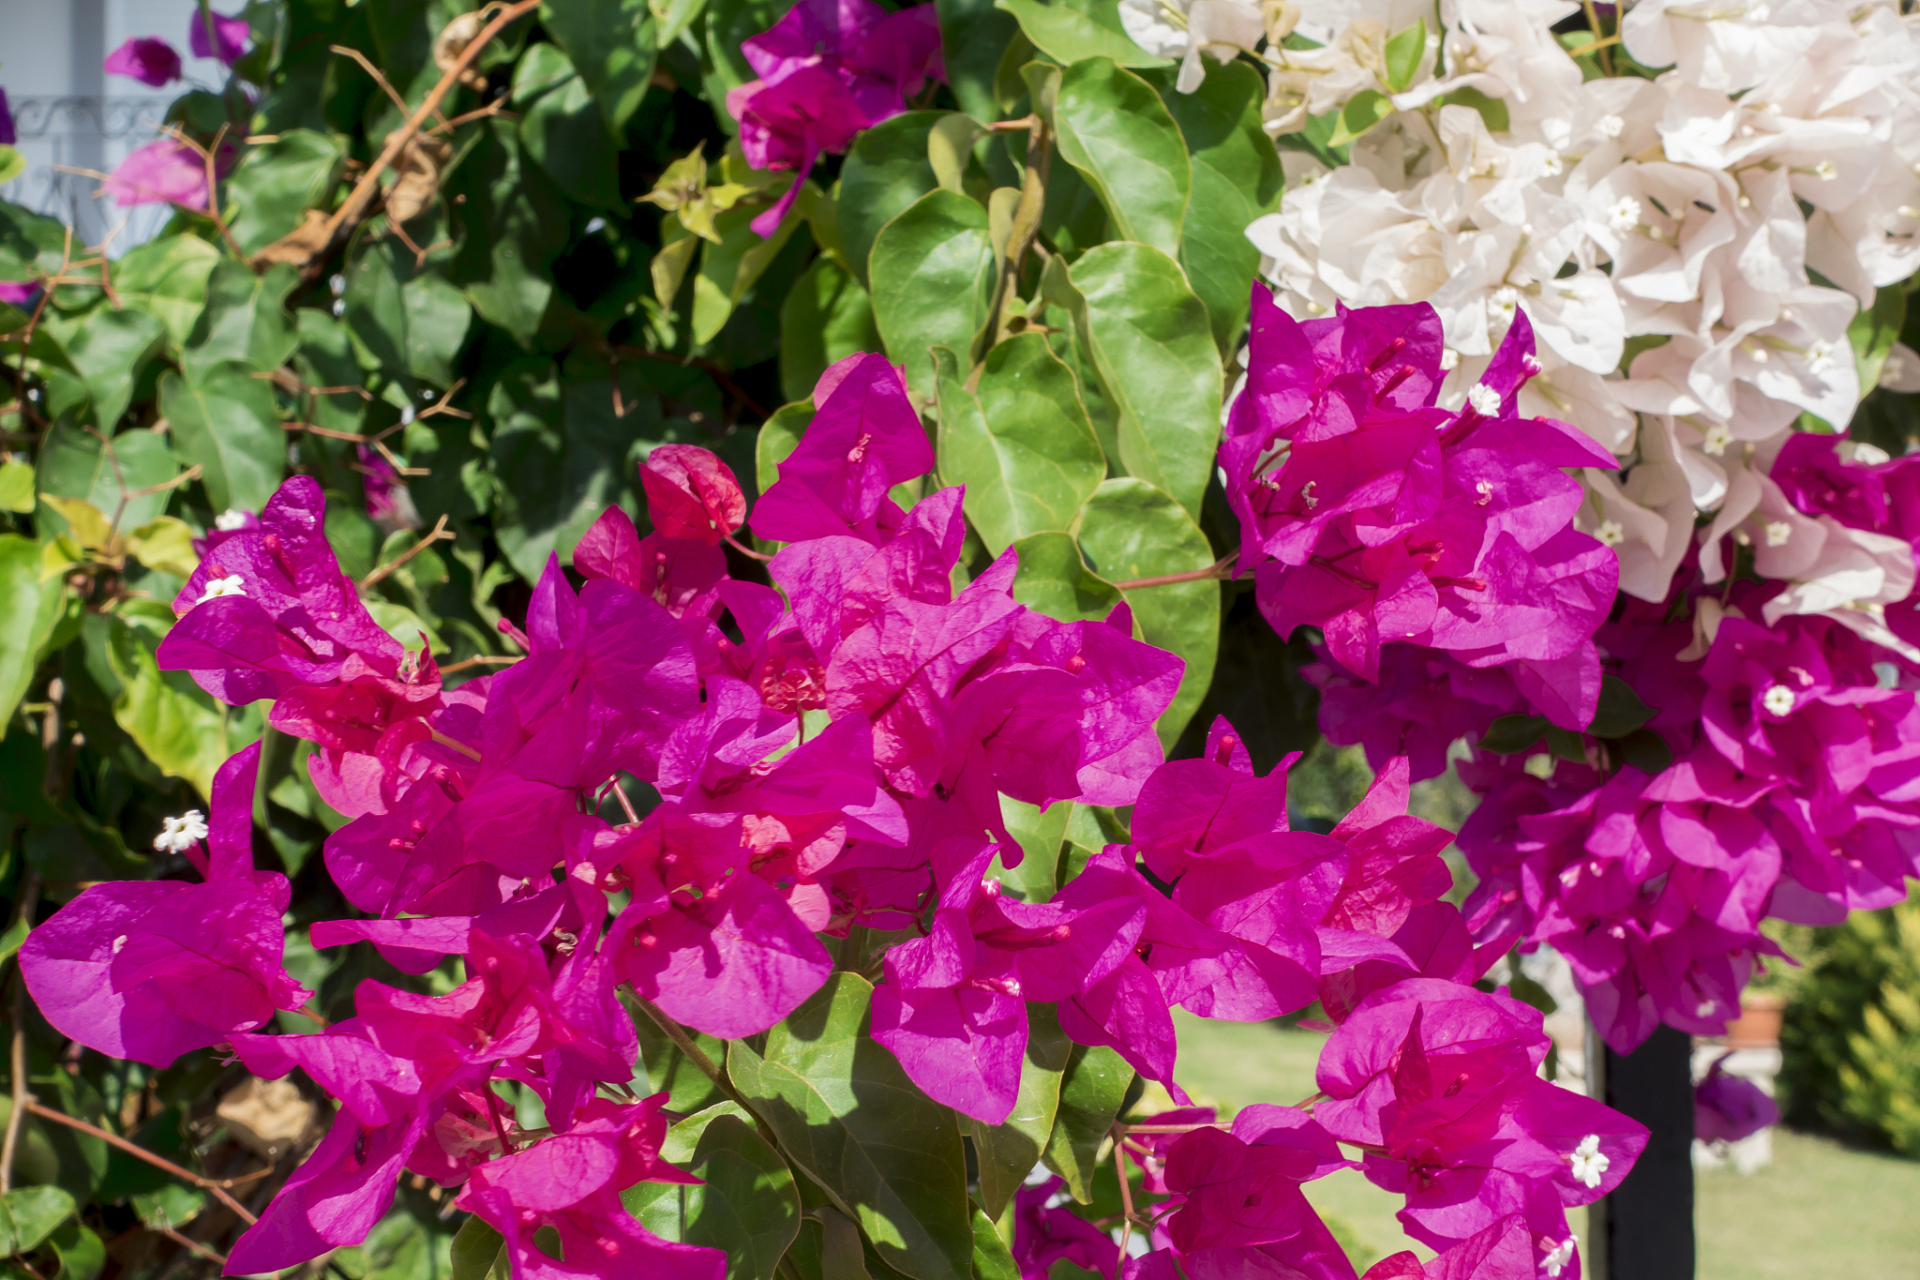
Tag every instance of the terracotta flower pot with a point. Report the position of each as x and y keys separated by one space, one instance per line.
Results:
x=1758 y=1026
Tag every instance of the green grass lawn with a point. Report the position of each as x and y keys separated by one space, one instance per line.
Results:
x=1820 y=1211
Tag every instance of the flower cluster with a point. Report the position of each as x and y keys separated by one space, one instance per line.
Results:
x=827 y=70
x=1676 y=237
x=828 y=757
x=1372 y=513
x=170 y=170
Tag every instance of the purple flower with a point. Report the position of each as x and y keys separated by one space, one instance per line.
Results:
x=149 y=60
x=1046 y=1229
x=20 y=294
x=388 y=504
x=828 y=69
x=229 y=38
x=1439 y=1082
x=149 y=969
x=166 y=171
x=1504 y=1251
x=864 y=439
x=692 y=494
x=1727 y=1108
x=8 y=134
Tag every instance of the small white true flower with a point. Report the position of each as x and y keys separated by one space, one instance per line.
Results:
x=181 y=833
x=1449 y=359
x=1778 y=531
x=1485 y=489
x=1484 y=399
x=1610 y=533
x=1820 y=357
x=1778 y=700
x=1590 y=1164
x=230 y=519
x=1553 y=165
x=1719 y=436
x=1559 y=1256
x=231 y=585
x=1825 y=171
x=1611 y=126
x=1506 y=298
x=1624 y=215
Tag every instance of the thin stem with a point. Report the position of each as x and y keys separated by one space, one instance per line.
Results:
x=29 y=895
x=851 y=947
x=194 y=1245
x=1126 y=1191
x=439 y=534
x=480 y=660
x=361 y=197
x=1594 y=47
x=219 y=1189
x=213 y=183
x=746 y=550
x=1219 y=569
x=686 y=1045
x=499 y=1123
x=1164 y=1128
x=625 y=803
x=1600 y=44
x=454 y=744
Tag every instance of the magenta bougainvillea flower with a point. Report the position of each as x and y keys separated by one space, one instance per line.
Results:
x=1371 y=513
x=1437 y=1081
x=227 y=41
x=828 y=69
x=167 y=171
x=1045 y=1231
x=1727 y=1108
x=149 y=969
x=1504 y=1251
x=147 y=59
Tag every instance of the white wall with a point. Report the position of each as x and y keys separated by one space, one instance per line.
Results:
x=70 y=113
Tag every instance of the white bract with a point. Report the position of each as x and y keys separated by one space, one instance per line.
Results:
x=1690 y=248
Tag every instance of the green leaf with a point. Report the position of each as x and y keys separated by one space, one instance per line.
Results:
x=245 y=318
x=1055 y=580
x=1492 y=110
x=223 y=418
x=933 y=274
x=75 y=463
x=32 y=245
x=15 y=935
x=779 y=437
x=1363 y=111
x=1404 y=51
x=672 y=17
x=1236 y=178
x=566 y=452
x=564 y=131
x=82 y=1254
x=29 y=1215
x=1620 y=710
x=1509 y=734
x=512 y=223
x=826 y=318
x=746 y=1204
x=1092 y=1087
x=165 y=545
x=1020 y=441
x=167 y=278
x=176 y=724
x=612 y=43
x=12 y=164
x=410 y=320
x=109 y=349
x=1008 y=1151
x=992 y=1260
x=28 y=608
x=730 y=268
x=478 y=1252
x=1131 y=530
x=886 y=170
x=1113 y=128
x=730 y=24
x=842 y=1109
x=275 y=184
x=1874 y=330
x=16 y=486
x=1150 y=343
x=972 y=36
x=1039 y=835
x=1068 y=33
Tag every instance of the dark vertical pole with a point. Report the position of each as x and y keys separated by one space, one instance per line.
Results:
x=1644 y=1230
